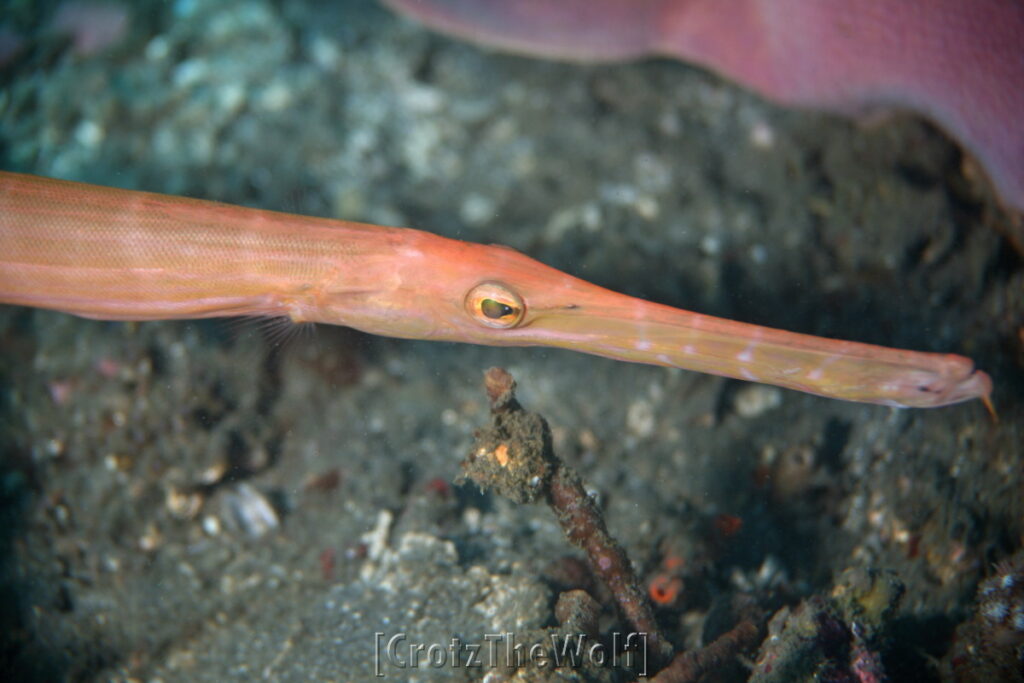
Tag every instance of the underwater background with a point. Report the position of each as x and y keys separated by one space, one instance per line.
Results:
x=207 y=501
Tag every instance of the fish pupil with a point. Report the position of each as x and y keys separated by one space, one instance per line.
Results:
x=495 y=310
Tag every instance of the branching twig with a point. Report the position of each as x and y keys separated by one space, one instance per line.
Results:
x=514 y=457
x=689 y=667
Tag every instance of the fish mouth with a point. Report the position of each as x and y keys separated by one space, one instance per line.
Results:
x=977 y=384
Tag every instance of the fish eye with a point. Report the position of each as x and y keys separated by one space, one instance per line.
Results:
x=495 y=305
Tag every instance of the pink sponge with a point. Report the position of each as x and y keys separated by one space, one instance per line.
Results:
x=958 y=62
x=92 y=25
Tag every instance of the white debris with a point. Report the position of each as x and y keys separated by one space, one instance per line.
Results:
x=756 y=399
x=252 y=511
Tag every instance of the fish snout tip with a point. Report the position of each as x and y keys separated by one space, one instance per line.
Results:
x=976 y=385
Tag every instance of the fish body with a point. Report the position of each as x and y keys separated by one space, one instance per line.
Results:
x=115 y=254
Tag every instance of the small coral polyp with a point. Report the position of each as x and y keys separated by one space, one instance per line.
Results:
x=988 y=646
x=1001 y=598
